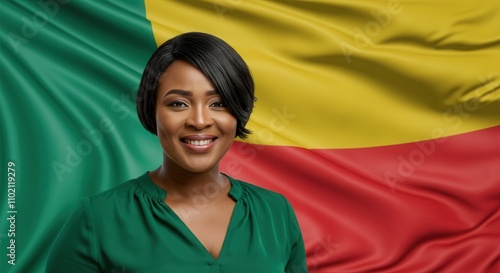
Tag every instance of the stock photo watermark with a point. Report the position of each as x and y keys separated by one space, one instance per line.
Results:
x=30 y=28
x=453 y=118
x=74 y=154
x=363 y=37
x=223 y=6
x=122 y=107
x=203 y=197
x=11 y=212
x=324 y=249
x=278 y=123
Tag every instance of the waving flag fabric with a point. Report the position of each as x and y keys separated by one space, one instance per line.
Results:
x=378 y=120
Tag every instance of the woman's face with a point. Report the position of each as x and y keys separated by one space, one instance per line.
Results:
x=194 y=128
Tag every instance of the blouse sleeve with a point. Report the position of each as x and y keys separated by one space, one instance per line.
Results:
x=297 y=261
x=74 y=249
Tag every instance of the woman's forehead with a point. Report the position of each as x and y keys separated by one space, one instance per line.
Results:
x=185 y=75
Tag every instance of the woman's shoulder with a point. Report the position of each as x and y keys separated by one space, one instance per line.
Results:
x=269 y=206
x=255 y=192
x=117 y=196
x=119 y=190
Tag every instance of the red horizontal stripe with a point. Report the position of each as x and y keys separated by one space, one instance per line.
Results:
x=417 y=207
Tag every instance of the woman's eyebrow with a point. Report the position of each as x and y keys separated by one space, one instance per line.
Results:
x=179 y=92
x=189 y=93
x=212 y=93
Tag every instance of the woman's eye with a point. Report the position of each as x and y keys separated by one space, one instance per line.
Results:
x=218 y=104
x=177 y=104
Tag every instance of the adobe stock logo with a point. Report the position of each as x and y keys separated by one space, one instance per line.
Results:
x=453 y=118
x=363 y=37
x=75 y=155
x=32 y=26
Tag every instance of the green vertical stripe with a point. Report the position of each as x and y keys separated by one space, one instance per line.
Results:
x=70 y=71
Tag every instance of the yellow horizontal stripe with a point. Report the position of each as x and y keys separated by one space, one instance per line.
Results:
x=349 y=74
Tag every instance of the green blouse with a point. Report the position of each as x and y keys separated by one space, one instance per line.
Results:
x=130 y=229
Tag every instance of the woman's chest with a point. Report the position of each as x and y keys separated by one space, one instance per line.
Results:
x=167 y=244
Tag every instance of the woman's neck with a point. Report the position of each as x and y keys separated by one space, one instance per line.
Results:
x=183 y=185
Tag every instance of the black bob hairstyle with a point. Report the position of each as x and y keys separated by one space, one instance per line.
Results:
x=217 y=60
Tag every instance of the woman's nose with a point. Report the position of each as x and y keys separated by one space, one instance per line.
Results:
x=199 y=117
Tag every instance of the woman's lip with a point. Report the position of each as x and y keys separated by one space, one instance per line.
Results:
x=199 y=148
x=199 y=137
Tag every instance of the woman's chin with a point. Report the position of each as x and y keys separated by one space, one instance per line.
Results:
x=200 y=167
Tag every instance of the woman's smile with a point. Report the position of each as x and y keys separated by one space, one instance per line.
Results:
x=199 y=143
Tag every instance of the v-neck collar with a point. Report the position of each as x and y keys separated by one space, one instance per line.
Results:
x=147 y=184
x=200 y=245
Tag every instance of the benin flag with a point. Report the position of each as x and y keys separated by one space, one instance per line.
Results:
x=378 y=120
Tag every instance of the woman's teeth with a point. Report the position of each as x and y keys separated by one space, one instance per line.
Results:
x=199 y=142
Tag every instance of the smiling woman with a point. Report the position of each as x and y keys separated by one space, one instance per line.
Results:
x=194 y=127
x=196 y=95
